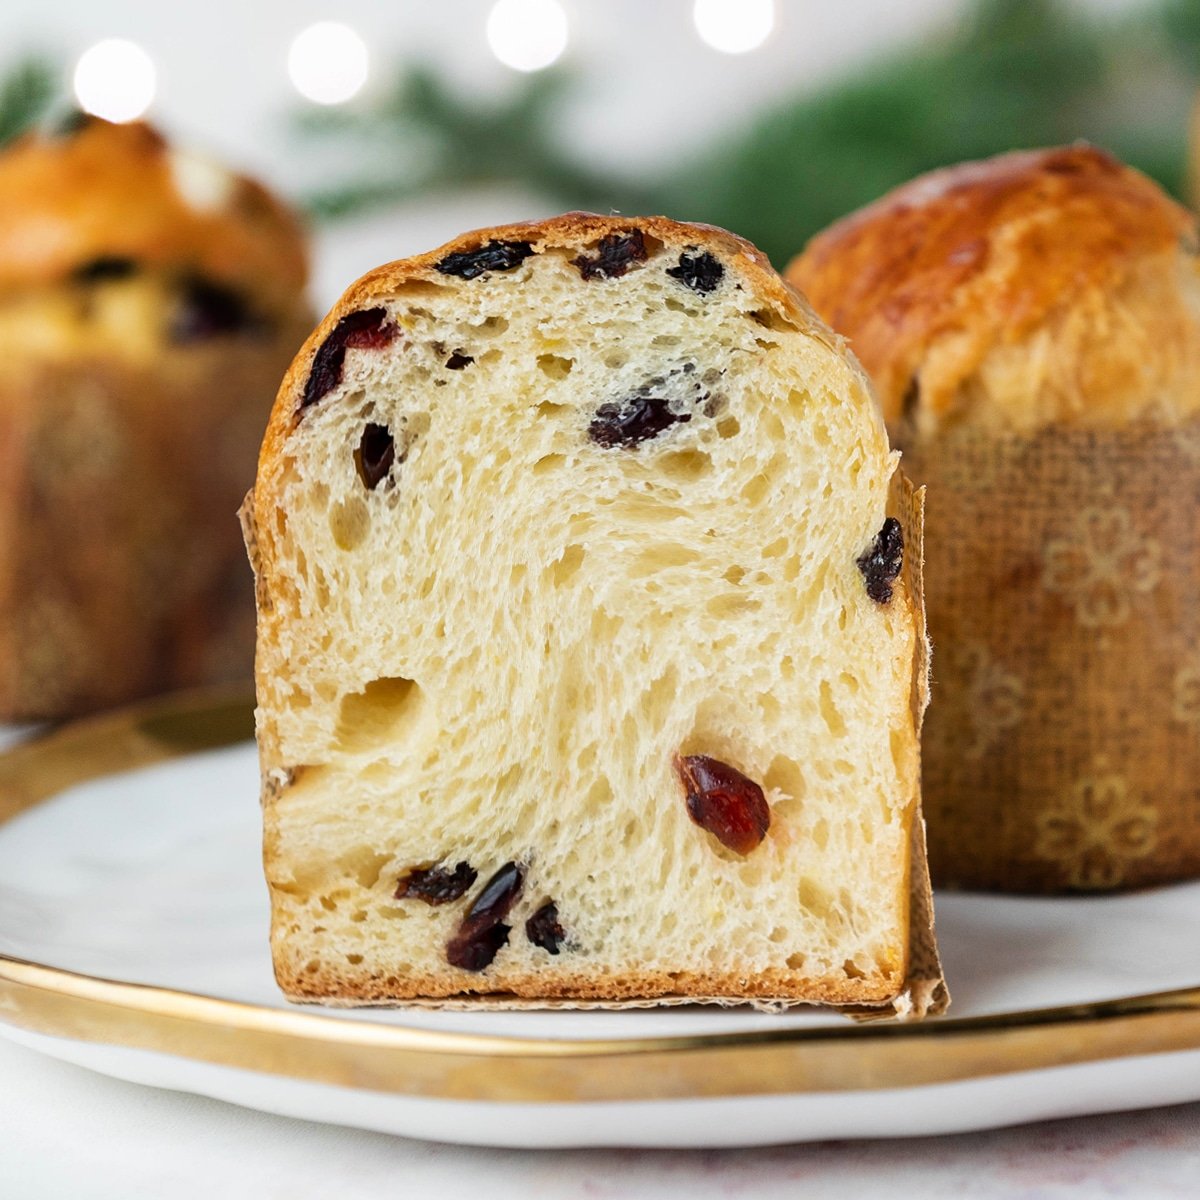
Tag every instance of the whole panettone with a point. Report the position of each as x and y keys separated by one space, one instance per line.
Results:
x=150 y=301
x=590 y=652
x=1032 y=324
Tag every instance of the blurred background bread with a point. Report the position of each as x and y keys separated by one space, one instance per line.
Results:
x=1032 y=324
x=150 y=301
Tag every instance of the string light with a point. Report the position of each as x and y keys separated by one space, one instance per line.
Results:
x=527 y=35
x=734 y=26
x=327 y=63
x=115 y=79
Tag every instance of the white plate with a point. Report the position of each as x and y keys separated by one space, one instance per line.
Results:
x=152 y=876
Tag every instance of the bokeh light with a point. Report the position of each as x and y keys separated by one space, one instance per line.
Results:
x=527 y=35
x=328 y=63
x=734 y=26
x=115 y=79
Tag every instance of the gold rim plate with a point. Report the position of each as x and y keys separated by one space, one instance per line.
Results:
x=303 y=1044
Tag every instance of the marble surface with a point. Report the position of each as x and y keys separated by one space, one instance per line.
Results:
x=70 y=1134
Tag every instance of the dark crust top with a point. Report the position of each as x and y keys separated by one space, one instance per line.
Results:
x=983 y=250
x=106 y=191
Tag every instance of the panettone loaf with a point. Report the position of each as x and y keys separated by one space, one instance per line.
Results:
x=588 y=655
x=150 y=300
x=1032 y=324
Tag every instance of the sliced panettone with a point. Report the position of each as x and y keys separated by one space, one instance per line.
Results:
x=590 y=660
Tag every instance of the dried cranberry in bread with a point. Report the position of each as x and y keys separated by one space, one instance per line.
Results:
x=587 y=648
x=149 y=302
x=1032 y=323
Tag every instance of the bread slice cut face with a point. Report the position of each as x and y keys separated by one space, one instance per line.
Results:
x=585 y=656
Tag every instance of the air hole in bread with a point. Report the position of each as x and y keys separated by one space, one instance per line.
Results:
x=555 y=366
x=548 y=463
x=830 y=713
x=813 y=897
x=786 y=776
x=364 y=864
x=769 y=318
x=756 y=490
x=685 y=466
x=678 y=306
x=565 y=567
x=731 y=605
x=661 y=556
x=383 y=712
x=818 y=835
x=349 y=522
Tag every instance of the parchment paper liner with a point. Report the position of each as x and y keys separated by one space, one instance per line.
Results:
x=1062 y=751
x=924 y=991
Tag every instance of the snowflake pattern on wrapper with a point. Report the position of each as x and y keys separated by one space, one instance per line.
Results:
x=1101 y=566
x=1185 y=695
x=995 y=699
x=1096 y=832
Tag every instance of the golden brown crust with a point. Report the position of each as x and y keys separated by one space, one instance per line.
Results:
x=350 y=987
x=118 y=191
x=934 y=277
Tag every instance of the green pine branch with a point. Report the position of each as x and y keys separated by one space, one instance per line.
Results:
x=27 y=92
x=1011 y=73
x=429 y=138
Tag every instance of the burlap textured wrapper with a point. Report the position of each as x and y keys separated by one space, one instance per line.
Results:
x=1062 y=749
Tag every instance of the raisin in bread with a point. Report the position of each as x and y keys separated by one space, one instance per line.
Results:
x=150 y=300
x=1032 y=323
x=589 y=659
